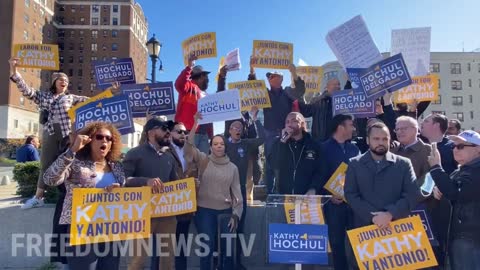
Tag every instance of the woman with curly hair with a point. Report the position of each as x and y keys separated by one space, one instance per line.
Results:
x=91 y=162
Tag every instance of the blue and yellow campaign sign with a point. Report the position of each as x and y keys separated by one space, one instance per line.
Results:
x=175 y=198
x=100 y=216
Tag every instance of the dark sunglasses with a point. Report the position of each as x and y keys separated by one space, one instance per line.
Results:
x=181 y=132
x=461 y=146
x=100 y=137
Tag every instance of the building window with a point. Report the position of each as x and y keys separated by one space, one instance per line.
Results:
x=105 y=8
x=25 y=35
x=105 y=21
x=104 y=47
x=71 y=46
x=80 y=59
x=471 y=114
x=42 y=13
x=105 y=33
x=115 y=8
x=81 y=46
x=434 y=67
x=94 y=21
x=329 y=75
x=80 y=87
x=80 y=73
x=114 y=47
x=456 y=85
x=82 y=20
x=70 y=59
x=61 y=59
x=94 y=34
x=92 y=86
x=93 y=58
x=72 y=9
x=15 y=123
x=469 y=66
x=469 y=82
x=27 y=3
x=457 y=101
x=70 y=74
x=439 y=85
x=479 y=67
x=455 y=68
x=35 y=127
x=439 y=101
x=95 y=8
x=72 y=33
x=94 y=47
x=22 y=101
x=458 y=115
x=26 y=18
x=114 y=33
x=115 y=21
x=80 y=33
x=470 y=98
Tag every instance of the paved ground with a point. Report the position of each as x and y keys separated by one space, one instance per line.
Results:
x=18 y=225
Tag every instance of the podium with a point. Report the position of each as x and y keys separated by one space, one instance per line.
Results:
x=296 y=230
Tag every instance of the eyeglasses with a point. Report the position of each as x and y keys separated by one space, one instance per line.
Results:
x=397 y=130
x=461 y=146
x=179 y=131
x=100 y=137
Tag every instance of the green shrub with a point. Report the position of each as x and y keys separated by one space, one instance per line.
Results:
x=26 y=175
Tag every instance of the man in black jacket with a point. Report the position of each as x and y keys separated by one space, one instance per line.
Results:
x=320 y=109
x=462 y=186
x=282 y=104
x=296 y=159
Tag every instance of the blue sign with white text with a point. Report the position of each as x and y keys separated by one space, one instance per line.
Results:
x=115 y=110
x=297 y=243
x=390 y=74
x=157 y=98
x=115 y=70
x=421 y=211
x=353 y=102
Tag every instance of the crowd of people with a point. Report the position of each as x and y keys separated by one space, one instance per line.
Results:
x=390 y=158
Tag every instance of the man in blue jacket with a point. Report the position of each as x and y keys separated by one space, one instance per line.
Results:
x=28 y=151
x=338 y=214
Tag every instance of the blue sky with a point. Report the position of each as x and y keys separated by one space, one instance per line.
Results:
x=304 y=23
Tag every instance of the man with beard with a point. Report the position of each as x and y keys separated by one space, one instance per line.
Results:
x=296 y=159
x=379 y=186
x=191 y=85
x=152 y=160
x=184 y=169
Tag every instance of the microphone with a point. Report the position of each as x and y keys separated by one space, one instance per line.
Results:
x=284 y=136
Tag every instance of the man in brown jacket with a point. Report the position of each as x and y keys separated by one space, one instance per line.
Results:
x=411 y=147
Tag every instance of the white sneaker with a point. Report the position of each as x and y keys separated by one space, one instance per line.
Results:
x=32 y=203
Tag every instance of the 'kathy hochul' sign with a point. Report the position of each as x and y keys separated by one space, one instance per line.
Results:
x=297 y=243
x=389 y=74
x=115 y=110
x=118 y=70
x=157 y=98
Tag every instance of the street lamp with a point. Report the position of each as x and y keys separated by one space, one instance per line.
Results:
x=154 y=46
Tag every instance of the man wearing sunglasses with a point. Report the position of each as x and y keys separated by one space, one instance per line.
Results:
x=462 y=186
x=151 y=164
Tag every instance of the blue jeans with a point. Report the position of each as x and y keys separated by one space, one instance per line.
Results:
x=338 y=219
x=464 y=254
x=270 y=137
x=206 y=221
